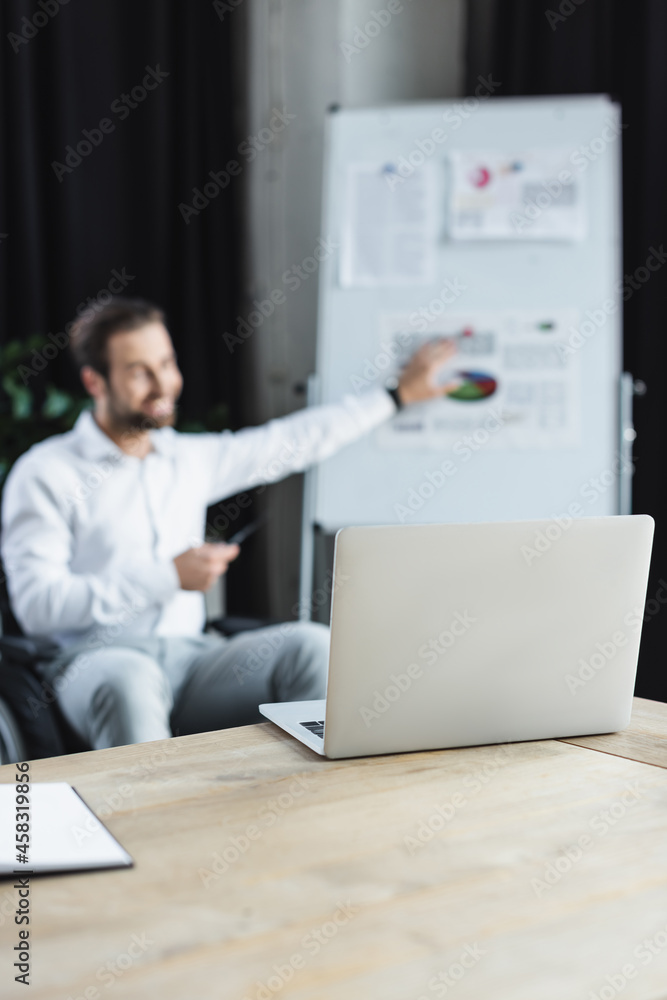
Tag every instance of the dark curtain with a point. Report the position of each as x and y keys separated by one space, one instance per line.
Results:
x=618 y=48
x=111 y=113
x=74 y=219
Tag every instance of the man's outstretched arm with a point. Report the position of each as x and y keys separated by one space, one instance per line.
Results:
x=290 y=444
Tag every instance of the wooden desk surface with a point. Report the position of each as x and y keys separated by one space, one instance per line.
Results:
x=645 y=739
x=410 y=876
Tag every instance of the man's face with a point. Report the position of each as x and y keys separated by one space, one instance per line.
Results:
x=144 y=379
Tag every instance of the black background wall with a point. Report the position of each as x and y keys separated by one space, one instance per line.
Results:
x=67 y=229
x=618 y=48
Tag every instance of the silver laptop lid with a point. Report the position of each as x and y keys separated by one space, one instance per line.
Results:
x=457 y=634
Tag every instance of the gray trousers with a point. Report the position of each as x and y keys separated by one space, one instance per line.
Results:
x=151 y=688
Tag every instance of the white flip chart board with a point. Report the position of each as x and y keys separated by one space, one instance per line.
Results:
x=496 y=222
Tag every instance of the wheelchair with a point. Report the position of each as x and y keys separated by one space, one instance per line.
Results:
x=32 y=725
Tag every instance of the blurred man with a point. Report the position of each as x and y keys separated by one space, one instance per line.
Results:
x=102 y=531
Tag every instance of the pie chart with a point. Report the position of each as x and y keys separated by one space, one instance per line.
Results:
x=470 y=386
x=479 y=177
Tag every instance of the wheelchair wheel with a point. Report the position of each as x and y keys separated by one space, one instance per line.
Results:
x=12 y=747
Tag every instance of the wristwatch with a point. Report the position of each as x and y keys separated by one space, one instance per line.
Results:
x=391 y=386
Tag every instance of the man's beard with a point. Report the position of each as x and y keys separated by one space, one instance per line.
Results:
x=135 y=421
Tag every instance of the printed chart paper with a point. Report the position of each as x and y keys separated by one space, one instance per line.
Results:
x=390 y=226
x=531 y=195
x=514 y=376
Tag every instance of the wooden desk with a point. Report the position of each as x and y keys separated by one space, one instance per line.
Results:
x=369 y=879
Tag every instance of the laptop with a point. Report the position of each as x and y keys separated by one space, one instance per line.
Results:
x=450 y=635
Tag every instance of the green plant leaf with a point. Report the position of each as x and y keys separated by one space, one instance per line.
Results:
x=57 y=402
x=12 y=351
x=20 y=396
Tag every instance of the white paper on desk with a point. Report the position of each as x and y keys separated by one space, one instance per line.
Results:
x=390 y=226
x=65 y=835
